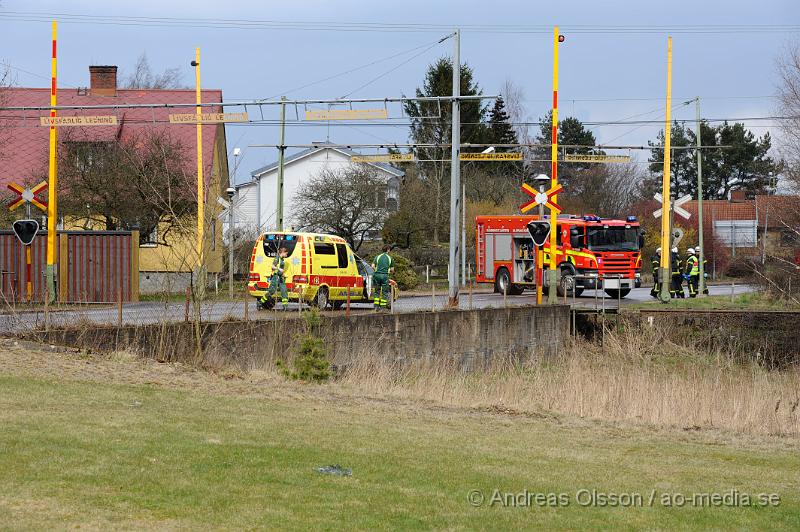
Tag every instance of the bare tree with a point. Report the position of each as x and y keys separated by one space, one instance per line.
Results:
x=514 y=97
x=140 y=181
x=143 y=77
x=789 y=101
x=347 y=202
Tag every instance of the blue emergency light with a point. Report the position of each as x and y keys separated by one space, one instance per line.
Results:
x=631 y=219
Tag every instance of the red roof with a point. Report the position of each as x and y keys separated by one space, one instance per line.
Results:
x=24 y=156
x=775 y=211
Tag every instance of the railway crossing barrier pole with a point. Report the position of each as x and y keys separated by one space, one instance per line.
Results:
x=552 y=273
x=433 y=297
x=52 y=180
x=666 y=237
x=347 y=308
x=186 y=306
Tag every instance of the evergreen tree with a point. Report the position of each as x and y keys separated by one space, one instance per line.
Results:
x=683 y=164
x=431 y=123
x=733 y=159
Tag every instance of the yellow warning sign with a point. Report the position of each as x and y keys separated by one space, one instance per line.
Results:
x=581 y=158
x=490 y=156
x=59 y=121
x=388 y=158
x=347 y=114
x=208 y=118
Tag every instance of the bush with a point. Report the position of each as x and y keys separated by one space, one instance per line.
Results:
x=404 y=274
x=742 y=267
x=311 y=363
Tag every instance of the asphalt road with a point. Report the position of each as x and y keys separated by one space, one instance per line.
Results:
x=158 y=312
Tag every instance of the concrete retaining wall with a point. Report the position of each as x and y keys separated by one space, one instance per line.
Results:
x=473 y=339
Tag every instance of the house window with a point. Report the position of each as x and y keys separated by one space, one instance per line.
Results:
x=149 y=240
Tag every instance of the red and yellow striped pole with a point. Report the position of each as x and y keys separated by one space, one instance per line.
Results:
x=552 y=277
x=52 y=207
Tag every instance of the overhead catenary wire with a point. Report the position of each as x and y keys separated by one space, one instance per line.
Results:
x=356 y=69
x=349 y=26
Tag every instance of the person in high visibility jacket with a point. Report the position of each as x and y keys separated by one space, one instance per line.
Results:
x=384 y=266
x=676 y=286
x=692 y=272
x=655 y=260
x=277 y=280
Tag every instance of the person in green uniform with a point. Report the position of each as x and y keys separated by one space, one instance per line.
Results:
x=277 y=280
x=384 y=266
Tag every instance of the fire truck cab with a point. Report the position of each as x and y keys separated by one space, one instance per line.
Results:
x=591 y=253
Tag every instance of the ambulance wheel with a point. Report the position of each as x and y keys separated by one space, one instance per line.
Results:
x=618 y=294
x=336 y=305
x=321 y=301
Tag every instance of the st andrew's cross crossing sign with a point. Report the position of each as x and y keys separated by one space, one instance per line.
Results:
x=27 y=195
x=676 y=206
x=541 y=198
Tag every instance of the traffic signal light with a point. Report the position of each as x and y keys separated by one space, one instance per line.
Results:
x=539 y=231
x=26 y=230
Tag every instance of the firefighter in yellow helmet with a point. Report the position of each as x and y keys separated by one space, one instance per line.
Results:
x=676 y=286
x=655 y=261
x=692 y=272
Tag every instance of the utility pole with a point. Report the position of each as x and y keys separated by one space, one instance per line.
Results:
x=701 y=286
x=201 y=211
x=232 y=222
x=552 y=274
x=666 y=237
x=281 y=153
x=52 y=183
x=455 y=173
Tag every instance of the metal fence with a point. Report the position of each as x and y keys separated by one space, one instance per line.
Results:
x=93 y=267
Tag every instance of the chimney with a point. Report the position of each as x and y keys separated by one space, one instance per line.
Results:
x=737 y=196
x=103 y=80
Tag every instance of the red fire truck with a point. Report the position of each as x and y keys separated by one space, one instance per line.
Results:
x=591 y=253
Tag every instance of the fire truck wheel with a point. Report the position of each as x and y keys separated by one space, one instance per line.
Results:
x=618 y=294
x=566 y=284
x=502 y=283
x=321 y=301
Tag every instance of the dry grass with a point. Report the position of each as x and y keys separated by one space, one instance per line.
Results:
x=639 y=376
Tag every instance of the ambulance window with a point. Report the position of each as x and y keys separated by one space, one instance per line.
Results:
x=341 y=251
x=274 y=242
x=321 y=248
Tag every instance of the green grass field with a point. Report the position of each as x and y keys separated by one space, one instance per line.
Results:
x=118 y=443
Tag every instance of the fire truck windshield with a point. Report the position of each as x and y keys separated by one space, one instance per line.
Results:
x=613 y=239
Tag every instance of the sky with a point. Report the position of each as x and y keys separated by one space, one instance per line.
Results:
x=607 y=72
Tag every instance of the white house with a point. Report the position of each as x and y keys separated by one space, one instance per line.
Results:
x=256 y=204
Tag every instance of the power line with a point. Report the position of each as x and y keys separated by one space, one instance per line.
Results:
x=356 y=69
x=370 y=82
x=194 y=22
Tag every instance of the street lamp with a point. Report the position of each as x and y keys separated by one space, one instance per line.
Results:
x=230 y=192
